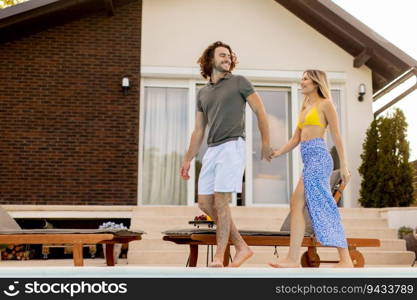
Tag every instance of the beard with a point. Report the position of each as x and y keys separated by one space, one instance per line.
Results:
x=221 y=68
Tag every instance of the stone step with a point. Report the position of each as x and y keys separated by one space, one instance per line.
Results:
x=365 y=222
x=376 y=233
x=155 y=224
x=389 y=266
x=386 y=245
x=158 y=224
x=360 y=212
x=358 y=223
x=179 y=257
x=160 y=258
x=280 y=212
x=371 y=257
x=166 y=211
x=149 y=244
x=325 y=265
x=347 y=222
x=391 y=245
x=389 y=257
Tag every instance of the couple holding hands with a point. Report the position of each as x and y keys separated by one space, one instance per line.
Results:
x=221 y=107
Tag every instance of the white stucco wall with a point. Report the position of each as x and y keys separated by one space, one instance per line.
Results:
x=265 y=36
x=400 y=216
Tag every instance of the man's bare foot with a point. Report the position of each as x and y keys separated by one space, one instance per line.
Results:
x=285 y=263
x=341 y=264
x=241 y=256
x=216 y=264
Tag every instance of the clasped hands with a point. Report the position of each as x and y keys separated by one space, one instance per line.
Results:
x=268 y=153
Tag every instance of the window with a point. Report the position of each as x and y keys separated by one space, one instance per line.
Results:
x=165 y=127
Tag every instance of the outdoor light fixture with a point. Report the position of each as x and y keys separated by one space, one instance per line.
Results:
x=125 y=85
x=362 y=91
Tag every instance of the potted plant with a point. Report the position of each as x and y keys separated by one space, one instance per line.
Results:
x=403 y=231
x=117 y=247
x=407 y=234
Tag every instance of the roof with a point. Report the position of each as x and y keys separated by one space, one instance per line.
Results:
x=37 y=15
x=386 y=61
x=367 y=47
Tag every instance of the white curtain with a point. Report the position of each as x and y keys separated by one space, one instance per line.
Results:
x=165 y=142
x=271 y=180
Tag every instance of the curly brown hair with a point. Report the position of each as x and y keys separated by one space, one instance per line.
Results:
x=206 y=59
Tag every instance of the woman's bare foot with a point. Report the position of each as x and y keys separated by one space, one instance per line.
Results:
x=241 y=256
x=216 y=264
x=285 y=263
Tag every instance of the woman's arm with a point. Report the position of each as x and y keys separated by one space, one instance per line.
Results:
x=291 y=144
x=331 y=117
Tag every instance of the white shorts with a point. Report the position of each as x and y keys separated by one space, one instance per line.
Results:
x=222 y=169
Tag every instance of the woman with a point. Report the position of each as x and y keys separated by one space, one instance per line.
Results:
x=313 y=188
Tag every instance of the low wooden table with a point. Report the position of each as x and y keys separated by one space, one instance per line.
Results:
x=310 y=258
x=75 y=237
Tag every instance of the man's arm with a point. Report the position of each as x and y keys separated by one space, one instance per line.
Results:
x=195 y=143
x=258 y=108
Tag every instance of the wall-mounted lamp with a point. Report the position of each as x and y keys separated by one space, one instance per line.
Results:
x=362 y=91
x=125 y=85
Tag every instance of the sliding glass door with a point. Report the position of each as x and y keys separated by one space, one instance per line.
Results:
x=271 y=180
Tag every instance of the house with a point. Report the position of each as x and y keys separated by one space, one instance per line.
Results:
x=274 y=41
x=414 y=164
x=73 y=139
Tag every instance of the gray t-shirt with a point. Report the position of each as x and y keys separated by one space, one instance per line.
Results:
x=223 y=106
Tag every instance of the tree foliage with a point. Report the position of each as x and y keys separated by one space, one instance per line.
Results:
x=6 y=3
x=387 y=175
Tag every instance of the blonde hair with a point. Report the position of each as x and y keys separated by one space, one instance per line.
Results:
x=320 y=78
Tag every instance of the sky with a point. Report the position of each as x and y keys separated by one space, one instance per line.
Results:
x=395 y=21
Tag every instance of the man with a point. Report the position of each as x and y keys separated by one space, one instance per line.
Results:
x=221 y=106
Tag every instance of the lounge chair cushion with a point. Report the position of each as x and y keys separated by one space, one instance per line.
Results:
x=7 y=222
x=287 y=223
x=116 y=232
x=190 y=231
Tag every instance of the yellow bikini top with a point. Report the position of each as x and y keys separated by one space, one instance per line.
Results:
x=311 y=118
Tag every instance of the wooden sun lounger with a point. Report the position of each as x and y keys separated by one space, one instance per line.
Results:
x=310 y=258
x=75 y=237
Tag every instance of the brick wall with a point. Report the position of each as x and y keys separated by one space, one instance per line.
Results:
x=67 y=133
